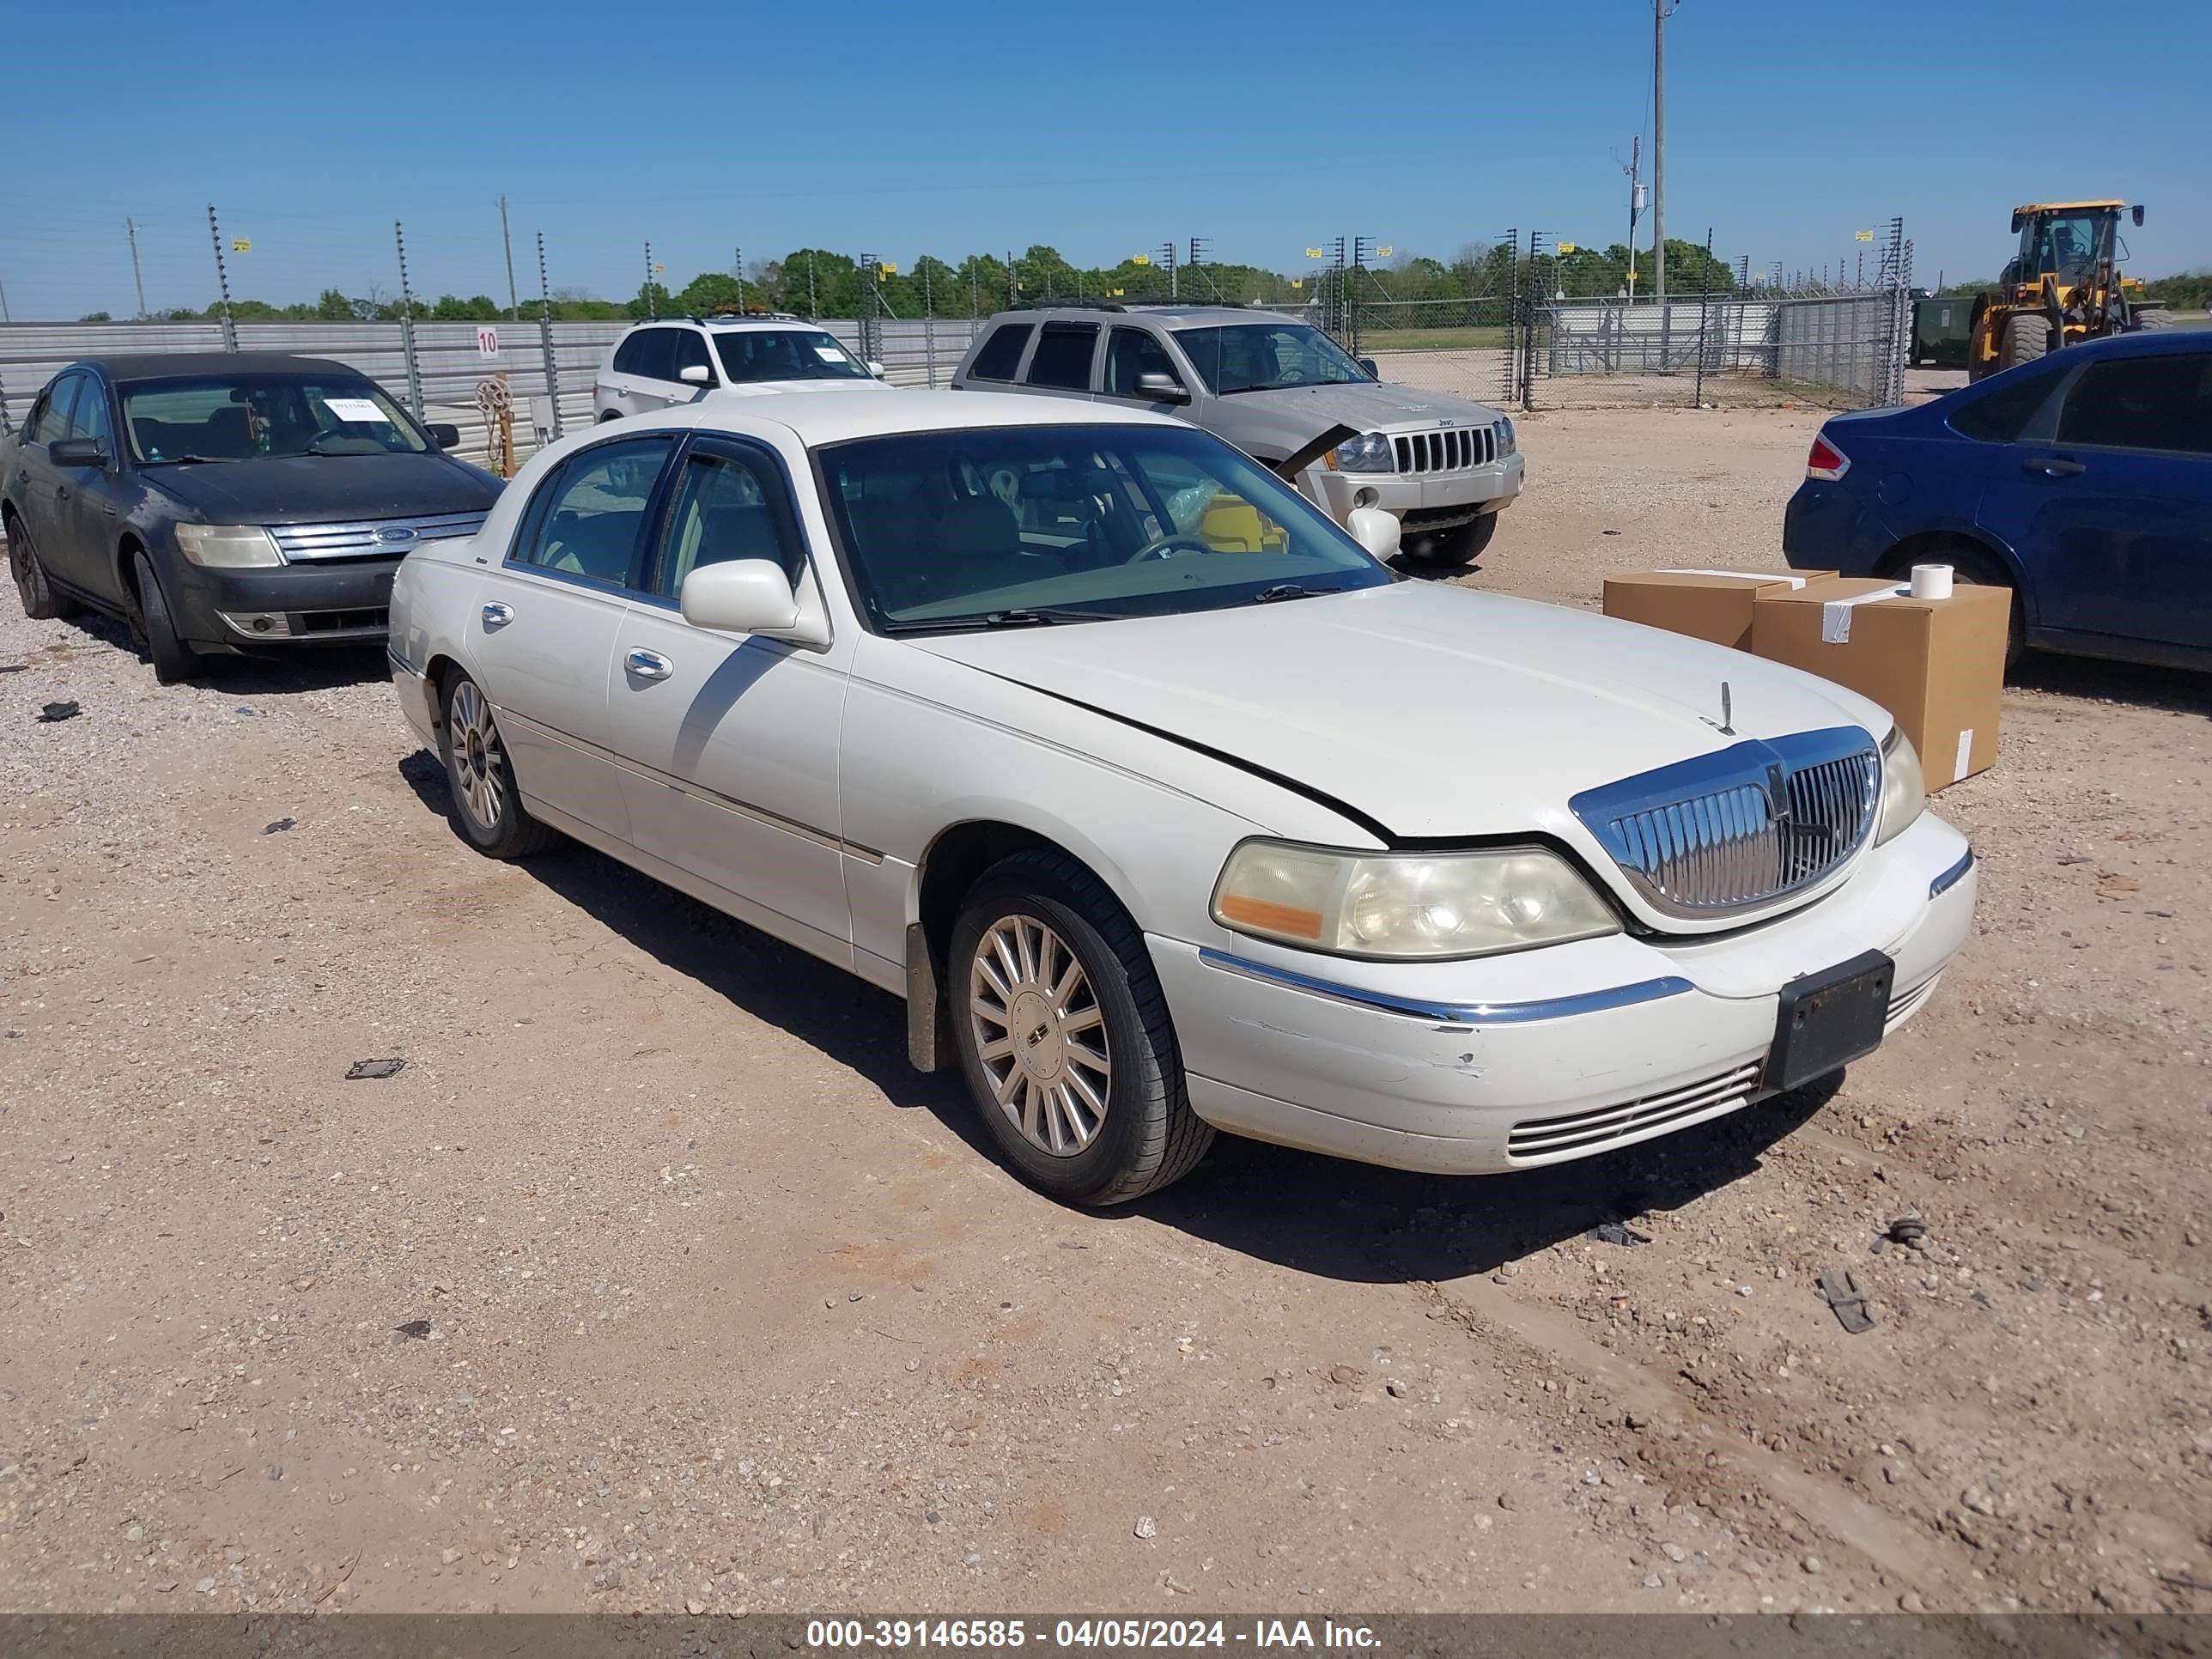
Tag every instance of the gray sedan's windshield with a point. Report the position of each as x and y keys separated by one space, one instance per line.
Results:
x=1036 y=525
x=1267 y=358
x=795 y=354
x=249 y=418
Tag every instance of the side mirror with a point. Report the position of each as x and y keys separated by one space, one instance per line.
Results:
x=2135 y=213
x=444 y=434
x=695 y=374
x=1375 y=531
x=1373 y=373
x=1162 y=389
x=877 y=369
x=77 y=451
x=740 y=596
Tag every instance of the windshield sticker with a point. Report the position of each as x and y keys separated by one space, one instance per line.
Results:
x=355 y=410
x=830 y=354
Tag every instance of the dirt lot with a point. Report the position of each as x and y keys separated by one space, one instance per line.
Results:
x=726 y=1308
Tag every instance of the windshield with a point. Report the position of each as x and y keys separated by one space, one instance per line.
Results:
x=2067 y=245
x=959 y=529
x=1267 y=357
x=253 y=416
x=785 y=354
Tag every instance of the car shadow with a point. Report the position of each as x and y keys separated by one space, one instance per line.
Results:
x=1301 y=1211
x=314 y=668
x=2184 y=691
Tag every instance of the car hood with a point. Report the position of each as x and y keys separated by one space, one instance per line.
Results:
x=1364 y=405
x=1431 y=709
x=324 y=489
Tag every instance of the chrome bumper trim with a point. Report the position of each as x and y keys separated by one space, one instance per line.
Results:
x=1952 y=877
x=392 y=655
x=1468 y=1013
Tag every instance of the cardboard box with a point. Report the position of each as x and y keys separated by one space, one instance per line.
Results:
x=1706 y=604
x=1936 y=665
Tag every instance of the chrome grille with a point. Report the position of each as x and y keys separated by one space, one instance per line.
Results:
x=1577 y=1133
x=1447 y=449
x=1737 y=830
x=360 y=539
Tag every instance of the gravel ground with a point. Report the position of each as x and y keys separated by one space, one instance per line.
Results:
x=655 y=1280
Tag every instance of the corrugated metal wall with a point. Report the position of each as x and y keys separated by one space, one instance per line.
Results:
x=917 y=352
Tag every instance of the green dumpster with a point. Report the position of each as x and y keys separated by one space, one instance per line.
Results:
x=1941 y=329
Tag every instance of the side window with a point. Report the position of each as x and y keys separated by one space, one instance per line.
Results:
x=690 y=353
x=648 y=354
x=1131 y=352
x=2003 y=416
x=90 y=418
x=587 y=519
x=1001 y=354
x=2162 y=403
x=729 y=504
x=50 y=420
x=1063 y=356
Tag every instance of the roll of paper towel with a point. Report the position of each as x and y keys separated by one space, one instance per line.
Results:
x=1932 y=582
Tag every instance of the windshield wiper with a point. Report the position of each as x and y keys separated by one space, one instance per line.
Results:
x=178 y=460
x=1022 y=616
x=1281 y=591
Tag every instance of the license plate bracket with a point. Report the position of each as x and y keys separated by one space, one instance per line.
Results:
x=1828 y=1019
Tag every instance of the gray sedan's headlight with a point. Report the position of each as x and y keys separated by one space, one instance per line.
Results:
x=1506 y=442
x=1368 y=453
x=1406 y=905
x=229 y=545
x=1904 y=790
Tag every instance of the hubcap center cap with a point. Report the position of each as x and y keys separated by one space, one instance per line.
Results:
x=1037 y=1040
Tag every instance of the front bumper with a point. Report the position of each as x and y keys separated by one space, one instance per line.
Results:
x=328 y=603
x=1439 y=499
x=1510 y=1062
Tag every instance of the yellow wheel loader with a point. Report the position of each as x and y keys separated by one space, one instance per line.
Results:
x=2062 y=287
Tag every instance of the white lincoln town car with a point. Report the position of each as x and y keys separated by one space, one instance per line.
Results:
x=1086 y=734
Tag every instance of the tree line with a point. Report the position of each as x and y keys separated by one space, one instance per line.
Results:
x=820 y=282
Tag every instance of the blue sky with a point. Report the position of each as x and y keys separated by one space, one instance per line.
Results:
x=991 y=125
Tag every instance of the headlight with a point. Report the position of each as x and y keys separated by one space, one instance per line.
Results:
x=1903 y=792
x=1406 y=905
x=1506 y=442
x=1368 y=453
x=228 y=545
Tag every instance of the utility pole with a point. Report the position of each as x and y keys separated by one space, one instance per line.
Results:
x=1659 y=15
x=1635 y=204
x=513 y=306
x=130 y=230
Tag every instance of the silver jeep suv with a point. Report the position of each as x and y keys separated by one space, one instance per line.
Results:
x=1286 y=394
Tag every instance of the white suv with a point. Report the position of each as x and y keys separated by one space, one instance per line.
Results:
x=682 y=360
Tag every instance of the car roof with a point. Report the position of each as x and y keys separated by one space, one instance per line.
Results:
x=202 y=365
x=1193 y=315
x=830 y=418
x=2144 y=343
x=770 y=320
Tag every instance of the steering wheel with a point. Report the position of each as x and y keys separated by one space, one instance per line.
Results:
x=1166 y=547
x=1294 y=375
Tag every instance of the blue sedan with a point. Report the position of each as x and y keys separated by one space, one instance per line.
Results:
x=2082 y=482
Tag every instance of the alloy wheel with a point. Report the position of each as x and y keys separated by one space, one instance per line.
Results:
x=479 y=763
x=1040 y=1035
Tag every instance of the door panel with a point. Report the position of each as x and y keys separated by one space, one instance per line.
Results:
x=2113 y=513
x=88 y=513
x=732 y=741
x=41 y=486
x=543 y=624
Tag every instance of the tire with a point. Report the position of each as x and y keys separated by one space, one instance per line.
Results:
x=487 y=807
x=2026 y=338
x=174 y=660
x=2156 y=318
x=40 y=602
x=1099 y=1084
x=1462 y=545
x=1978 y=569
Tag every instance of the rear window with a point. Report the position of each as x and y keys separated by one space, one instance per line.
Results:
x=1001 y=354
x=649 y=354
x=1063 y=356
x=2002 y=416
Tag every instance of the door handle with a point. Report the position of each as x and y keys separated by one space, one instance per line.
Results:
x=497 y=615
x=647 y=665
x=61 y=492
x=2052 y=467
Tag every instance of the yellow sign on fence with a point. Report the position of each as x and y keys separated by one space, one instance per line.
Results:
x=1863 y=235
x=242 y=244
x=1313 y=254
x=1141 y=259
x=1568 y=247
